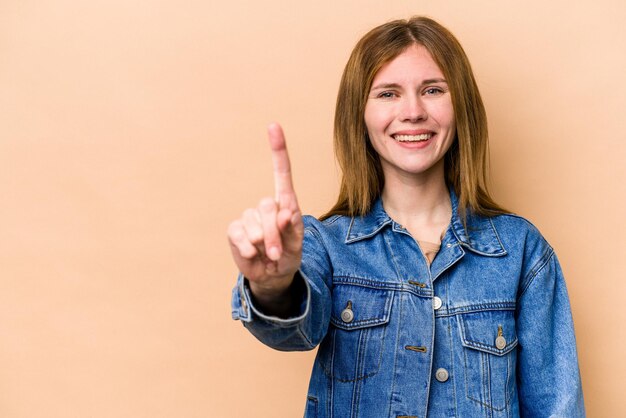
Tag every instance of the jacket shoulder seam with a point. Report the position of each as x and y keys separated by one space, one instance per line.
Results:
x=535 y=270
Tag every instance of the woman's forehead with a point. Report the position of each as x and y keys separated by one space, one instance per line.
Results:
x=414 y=62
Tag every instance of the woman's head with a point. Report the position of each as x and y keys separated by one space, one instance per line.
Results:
x=466 y=160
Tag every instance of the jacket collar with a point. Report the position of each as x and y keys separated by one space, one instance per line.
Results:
x=480 y=236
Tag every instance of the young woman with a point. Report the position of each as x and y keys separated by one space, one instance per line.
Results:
x=426 y=297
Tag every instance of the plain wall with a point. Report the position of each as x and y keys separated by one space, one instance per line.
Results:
x=132 y=132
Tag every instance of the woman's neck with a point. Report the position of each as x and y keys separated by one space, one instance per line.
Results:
x=421 y=204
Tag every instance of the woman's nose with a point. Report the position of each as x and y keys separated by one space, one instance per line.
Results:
x=413 y=110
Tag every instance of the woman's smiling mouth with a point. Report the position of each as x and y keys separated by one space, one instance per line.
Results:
x=412 y=138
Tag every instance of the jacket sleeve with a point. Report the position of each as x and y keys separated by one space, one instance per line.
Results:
x=308 y=327
x=548 y=376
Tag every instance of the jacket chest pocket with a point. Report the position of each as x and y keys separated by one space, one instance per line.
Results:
x=353 y=347
x=489 y=340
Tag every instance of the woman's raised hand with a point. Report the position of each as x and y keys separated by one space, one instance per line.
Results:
x=266 y=242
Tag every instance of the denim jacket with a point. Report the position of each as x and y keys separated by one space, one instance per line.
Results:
x=484 y=331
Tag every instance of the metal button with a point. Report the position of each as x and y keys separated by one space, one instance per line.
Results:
x=437 y=302
x=500 y=342
x=347 y=315
x=441 y=374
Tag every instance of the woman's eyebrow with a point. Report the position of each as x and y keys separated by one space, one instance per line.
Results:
x=397 y=86
x=434 y=81
x=386 y=86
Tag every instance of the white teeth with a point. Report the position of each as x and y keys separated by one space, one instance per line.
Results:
x=412 y=138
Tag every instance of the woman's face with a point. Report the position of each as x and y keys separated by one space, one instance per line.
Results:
x=409 y=115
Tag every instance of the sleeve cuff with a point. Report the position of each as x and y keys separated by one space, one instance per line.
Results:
x=243 y=307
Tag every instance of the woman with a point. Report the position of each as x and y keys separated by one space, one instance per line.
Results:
x=426 y=297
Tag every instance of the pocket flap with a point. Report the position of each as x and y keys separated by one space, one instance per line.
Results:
x=481 y=331
x=357 y=307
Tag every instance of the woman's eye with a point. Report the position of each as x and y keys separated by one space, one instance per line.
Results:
x=386 y=95
x=432 y=91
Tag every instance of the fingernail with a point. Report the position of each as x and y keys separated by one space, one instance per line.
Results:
x=273 y=254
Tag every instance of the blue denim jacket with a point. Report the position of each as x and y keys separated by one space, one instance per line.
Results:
x=485 y=331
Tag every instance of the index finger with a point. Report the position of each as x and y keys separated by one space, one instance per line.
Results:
x=283 y=184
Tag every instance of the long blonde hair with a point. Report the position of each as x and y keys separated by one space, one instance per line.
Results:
x=467 y=159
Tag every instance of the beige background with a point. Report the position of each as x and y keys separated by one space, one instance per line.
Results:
x=132 y=132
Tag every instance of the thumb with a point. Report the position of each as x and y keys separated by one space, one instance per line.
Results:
x=291 y=228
